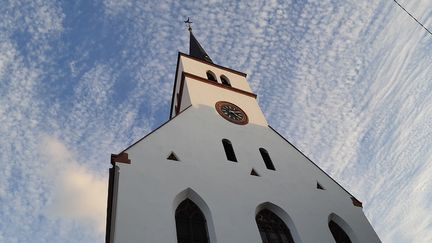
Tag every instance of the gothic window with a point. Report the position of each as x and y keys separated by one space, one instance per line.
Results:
x=338 y=233
x=225 y=81
x=191 y=224
x=229 y=151
x=272 y=229
x=211 y=76
x=267 y=160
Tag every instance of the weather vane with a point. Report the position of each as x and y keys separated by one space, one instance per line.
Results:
x=188 y=22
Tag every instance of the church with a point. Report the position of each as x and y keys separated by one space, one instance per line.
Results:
x=217 y=172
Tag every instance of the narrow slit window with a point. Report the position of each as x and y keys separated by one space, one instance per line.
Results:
x=225 y=81
x=267 y=160
x=211 y=76
x=229 y=151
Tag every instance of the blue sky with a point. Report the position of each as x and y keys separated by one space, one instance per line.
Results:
x=347 y=82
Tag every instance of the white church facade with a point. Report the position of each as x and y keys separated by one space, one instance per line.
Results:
x=217 y=172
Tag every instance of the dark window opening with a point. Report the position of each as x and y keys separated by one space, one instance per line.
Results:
x=338 y=233
x=319 y=186
x=173 y=156
x=272 y=229
x=225 y=81
x=191 y=224
x=229 y=151
x=254 y=173
x=267 y=160
x=211 y=76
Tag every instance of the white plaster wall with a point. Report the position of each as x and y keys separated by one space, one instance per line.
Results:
x=185 y=99
x=200 y=69
x=202 y=94
x=150 y=185
x=189 y=65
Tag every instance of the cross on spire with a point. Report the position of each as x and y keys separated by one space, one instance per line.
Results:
x=195 y=49
x=188 y=22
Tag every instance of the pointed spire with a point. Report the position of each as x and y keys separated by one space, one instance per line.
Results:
x=195 y=49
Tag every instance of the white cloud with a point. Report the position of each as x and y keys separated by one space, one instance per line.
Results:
x=79 y=193
x=113 y=7
x=346 y=82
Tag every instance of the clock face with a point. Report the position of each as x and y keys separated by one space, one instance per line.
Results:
x=231 y=112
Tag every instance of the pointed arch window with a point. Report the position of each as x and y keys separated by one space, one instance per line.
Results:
x=267 y=160
x=191 y=224
x=211 y=76
x=338 y=233
x=225 y=80
x=272 y=229
x=229 y=150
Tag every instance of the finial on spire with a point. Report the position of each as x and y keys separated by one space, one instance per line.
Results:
x=188 y=22
x=195 y=49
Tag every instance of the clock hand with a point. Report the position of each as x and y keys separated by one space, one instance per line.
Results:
x=235 y=114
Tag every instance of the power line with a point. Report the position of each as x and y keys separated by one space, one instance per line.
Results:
x=424 y=27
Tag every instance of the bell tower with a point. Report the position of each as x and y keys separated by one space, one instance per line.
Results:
x=200 y=82
x=217 y=172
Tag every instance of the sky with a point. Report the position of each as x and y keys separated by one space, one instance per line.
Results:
x=347 y=82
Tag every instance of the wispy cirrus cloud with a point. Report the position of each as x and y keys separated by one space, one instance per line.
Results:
x=348 y=83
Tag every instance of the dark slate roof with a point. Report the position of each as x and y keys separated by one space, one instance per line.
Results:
x=196 y=50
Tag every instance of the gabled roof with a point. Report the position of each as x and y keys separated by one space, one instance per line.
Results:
x=355 y=201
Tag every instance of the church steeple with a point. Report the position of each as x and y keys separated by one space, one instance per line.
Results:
x=216 y=141
x=195 y=49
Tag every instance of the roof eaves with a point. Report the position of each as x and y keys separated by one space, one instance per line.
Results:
x=163 y=124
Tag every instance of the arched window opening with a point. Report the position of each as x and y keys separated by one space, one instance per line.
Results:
x=338 y=233
x=229 y=151
x=267 y=160
x=272 y=229
x=191 y=224
x=211 y=76
x=225 y=81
